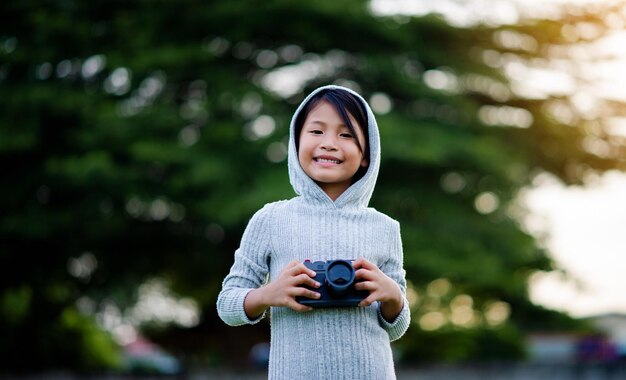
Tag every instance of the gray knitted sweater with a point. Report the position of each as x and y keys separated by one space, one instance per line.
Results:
x=340 y=343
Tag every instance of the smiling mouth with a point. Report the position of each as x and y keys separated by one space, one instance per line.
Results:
x=323 y=160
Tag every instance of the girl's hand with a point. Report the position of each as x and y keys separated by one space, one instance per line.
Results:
x=381 y=288
x=284 y=290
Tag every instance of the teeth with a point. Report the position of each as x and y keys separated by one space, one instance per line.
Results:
x=327 y=160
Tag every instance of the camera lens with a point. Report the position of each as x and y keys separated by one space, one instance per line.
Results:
x=339 y=276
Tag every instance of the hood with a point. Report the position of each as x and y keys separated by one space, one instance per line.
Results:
x=360 y=192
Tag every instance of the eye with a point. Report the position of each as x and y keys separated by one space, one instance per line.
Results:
x=315 y=132
x=346 y=135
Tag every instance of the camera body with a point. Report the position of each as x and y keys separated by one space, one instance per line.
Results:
x=337 y=285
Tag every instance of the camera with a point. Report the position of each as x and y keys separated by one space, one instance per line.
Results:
x=337 y=285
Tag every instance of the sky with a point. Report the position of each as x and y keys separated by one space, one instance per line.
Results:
x=586 y=238
x=582 y=228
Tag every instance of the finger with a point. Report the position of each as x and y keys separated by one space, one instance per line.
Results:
x=301 y=268
x=312 y=283
x=299 y=307
x=304 y=279
x=367 y=301
x=365 y=285
x=304 y=292
x=365 y=264
x=358 y=263
x=291 y=265
x=364 y=274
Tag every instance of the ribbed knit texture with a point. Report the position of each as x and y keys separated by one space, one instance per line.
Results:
x=337 y=343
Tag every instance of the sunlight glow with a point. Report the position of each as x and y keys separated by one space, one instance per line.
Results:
x=497 y=313
x=432 y=320
x=83 y=266
x=486 y=203
x=453 y=182
x=505 y=116
x=381 y=103
x=118 y=83
x=93 y=65
x=276 y=152
x=459 y=14
x=439 y=287
x=289 y=80
x=441 y=79
x=155 y=304
x=261 y=127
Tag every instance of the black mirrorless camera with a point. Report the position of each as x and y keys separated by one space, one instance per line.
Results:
x=337 y=285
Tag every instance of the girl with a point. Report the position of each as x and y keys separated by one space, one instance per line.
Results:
x=333 y=160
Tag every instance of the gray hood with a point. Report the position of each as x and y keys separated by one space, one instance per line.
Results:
x=357 y=195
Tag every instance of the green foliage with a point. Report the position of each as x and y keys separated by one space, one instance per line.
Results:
x=458 y=346
x=138 y=137
x=90 y=347
x=15 y=304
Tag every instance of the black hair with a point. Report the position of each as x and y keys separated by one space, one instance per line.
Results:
x=346 y=105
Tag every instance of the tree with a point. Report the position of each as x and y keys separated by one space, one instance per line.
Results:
x=138 y=137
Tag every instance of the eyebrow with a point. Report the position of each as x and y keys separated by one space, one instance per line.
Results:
x=342 y=125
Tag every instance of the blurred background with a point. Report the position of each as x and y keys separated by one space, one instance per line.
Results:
x=138 y=137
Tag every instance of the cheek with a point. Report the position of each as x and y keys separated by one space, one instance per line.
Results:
x=300 y=147
x=303 y=152
x=300 y=155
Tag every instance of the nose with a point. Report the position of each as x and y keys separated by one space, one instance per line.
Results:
x=329 y=142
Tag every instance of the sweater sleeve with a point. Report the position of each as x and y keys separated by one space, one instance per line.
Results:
x=394 y=268
x=249 y=271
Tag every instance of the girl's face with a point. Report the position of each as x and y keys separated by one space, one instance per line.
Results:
x=328 y=152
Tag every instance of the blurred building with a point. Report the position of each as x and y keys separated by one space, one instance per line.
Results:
x=552 y=347
x=614 y=326
x=143 y=357
x=607 y=345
